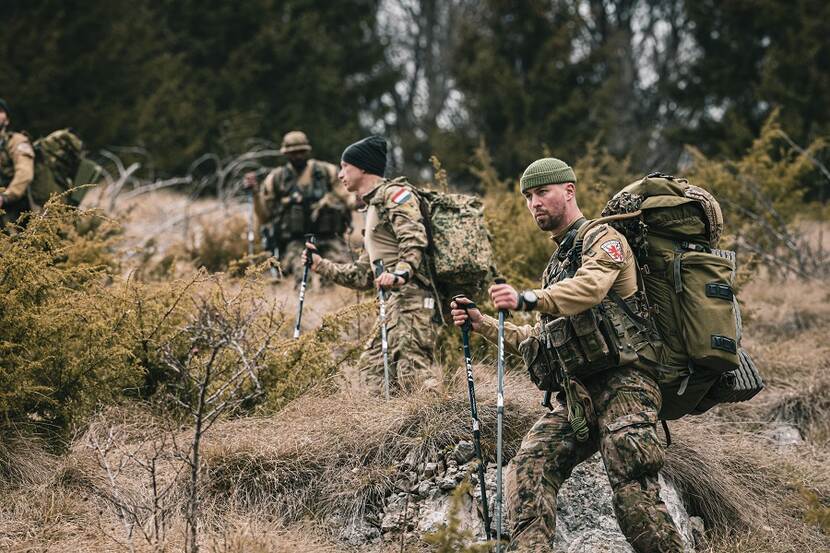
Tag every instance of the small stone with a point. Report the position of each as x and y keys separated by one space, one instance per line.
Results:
x=698 y=529
x=429 y=469
x=424 y=487
x=463 y=452
x=446 y=484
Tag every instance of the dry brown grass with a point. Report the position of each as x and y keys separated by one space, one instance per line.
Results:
x=339 y=455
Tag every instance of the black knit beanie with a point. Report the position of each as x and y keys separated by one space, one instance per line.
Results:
x=368 y=154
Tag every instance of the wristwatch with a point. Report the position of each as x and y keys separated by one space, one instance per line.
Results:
x=404 y=275
x=527 y=300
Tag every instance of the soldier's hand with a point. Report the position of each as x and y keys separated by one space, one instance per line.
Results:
x=388 y=281
x=504 y=296
x=250 y=181
x=460 y=315
x=315 y=258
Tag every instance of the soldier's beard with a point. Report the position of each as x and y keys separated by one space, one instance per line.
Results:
x=550 y=222
x=298 y=164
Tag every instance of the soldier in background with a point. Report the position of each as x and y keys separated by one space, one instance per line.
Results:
x=17 y=168
x=301 y=197
x=395 y=233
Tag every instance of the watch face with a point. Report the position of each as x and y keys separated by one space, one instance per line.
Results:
x=530 y=297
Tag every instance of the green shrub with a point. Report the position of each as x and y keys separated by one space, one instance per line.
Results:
x=219 y=246
x=761 y=195
x=64 y=347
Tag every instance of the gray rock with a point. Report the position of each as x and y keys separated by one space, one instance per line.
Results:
x=424 y=487
x=430 y=469
x=784 y=435
x=698 y=529
x=585 y=515
x=447 y=483
x=463 y=452
x=359 y=532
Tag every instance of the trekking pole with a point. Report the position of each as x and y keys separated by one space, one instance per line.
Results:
x=384 y=345
x=250 y=222
x=468 y=362
x=304 y=284
x=499 y=421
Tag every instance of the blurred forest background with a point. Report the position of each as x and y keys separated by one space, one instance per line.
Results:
x=641 y=78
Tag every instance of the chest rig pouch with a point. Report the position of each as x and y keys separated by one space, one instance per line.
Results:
x=614 y=333
x=298 y=201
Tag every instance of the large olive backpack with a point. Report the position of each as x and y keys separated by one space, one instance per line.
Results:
x=674 y=228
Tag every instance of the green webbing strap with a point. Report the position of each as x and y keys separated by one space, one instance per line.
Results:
x=678 y=280
x=576 y=411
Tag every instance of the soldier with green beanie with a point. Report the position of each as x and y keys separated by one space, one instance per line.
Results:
x=17 y=168
x=301 y=197
x=395 y=234
x=605 y=401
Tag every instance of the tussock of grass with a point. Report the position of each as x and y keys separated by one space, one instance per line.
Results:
x=24 y=461
x=341 y=454
x=808 y=408
x=742 y=486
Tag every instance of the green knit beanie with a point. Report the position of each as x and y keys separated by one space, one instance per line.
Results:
x=547 y=170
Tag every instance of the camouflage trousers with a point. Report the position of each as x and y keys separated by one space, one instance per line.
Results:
x=334 y=249
x=410 y=335
x=622 y=407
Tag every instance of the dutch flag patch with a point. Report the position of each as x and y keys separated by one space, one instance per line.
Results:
x=401 y=196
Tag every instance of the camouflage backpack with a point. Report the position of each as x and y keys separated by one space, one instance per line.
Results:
x=459 y=251
x=60 y=165
x=673 y=228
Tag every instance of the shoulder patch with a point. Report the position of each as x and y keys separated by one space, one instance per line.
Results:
x=26 y=149
x=401 y=196
x=614 y=250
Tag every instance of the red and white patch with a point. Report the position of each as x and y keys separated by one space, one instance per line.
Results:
x=614 y=250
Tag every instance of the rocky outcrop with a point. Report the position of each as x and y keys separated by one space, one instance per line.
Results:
x=422 y=501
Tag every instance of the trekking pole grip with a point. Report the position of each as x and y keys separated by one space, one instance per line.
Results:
x=308 y=251
x=468 y=324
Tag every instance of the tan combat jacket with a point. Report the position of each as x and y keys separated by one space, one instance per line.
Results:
x=273 y=192
x=17 y=166
x=607 y=264
x=395 y=233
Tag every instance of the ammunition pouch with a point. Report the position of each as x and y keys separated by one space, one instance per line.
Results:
x=543 y=370
x=610 y=335
x=294 y=221
x=330 y=221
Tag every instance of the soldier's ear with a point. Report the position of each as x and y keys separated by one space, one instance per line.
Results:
x=570 y=190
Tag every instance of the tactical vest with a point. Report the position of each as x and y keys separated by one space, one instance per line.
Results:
x=614 y=333
x=296 y=211
x=6 y=164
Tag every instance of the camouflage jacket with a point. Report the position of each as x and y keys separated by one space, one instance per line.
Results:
x=17 y=165
x=394 y=232
x=607 y=264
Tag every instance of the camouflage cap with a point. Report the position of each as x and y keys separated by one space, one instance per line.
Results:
x=295 y=141
x=548 y=170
